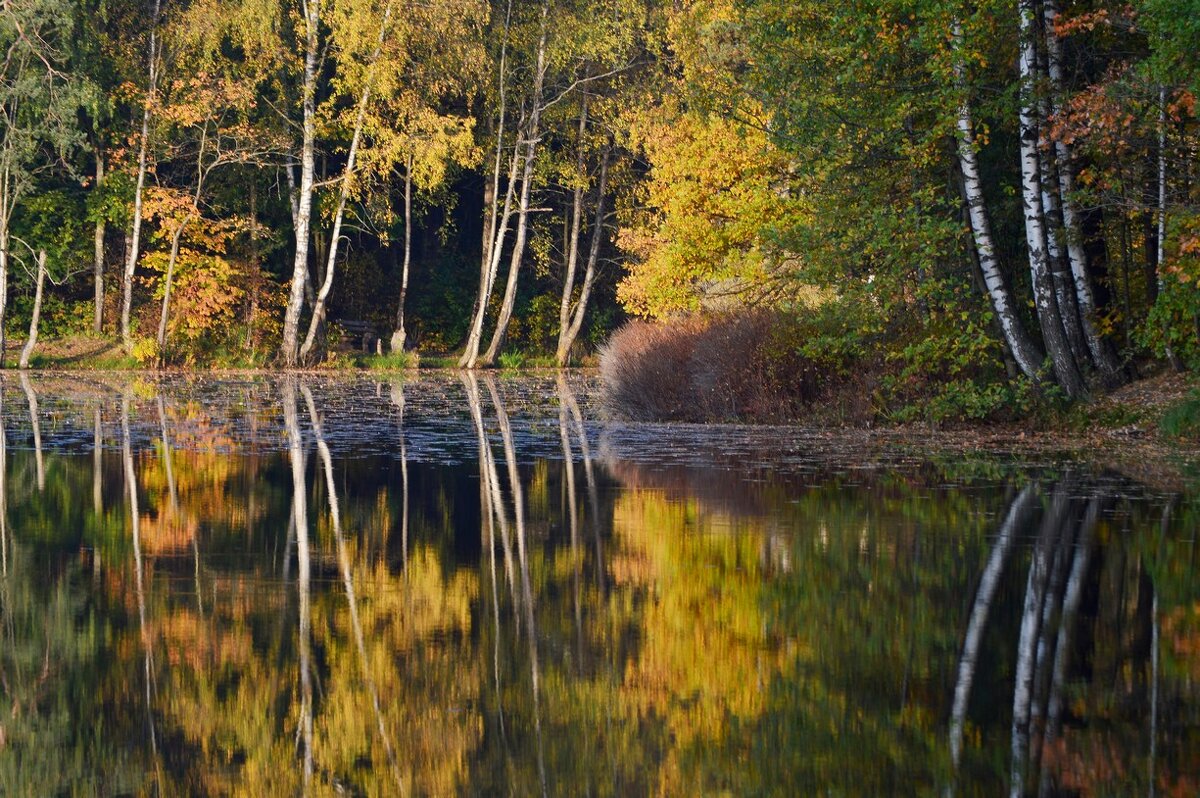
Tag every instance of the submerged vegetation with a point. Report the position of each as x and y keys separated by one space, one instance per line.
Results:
x=888 y=210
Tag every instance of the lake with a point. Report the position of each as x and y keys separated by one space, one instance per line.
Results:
x=448 y=584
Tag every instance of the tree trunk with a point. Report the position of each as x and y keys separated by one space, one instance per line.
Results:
x=318 y=314
x=1172 y=358
x=98 y=256
x=131 y=256
x=493 y=240
x=167 y=281
x=303 y=213
x=514 y=266
x=1066 y=370
x=567 y=339
x=487 y=280
x=36 y=316
x=1072 y=217
x=399 y=335
x=1024 y=350
x=4 y=241
x=572 y=244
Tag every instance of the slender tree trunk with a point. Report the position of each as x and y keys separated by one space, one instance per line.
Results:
x=493 y=239
x=36 y=316
x=532 y=137
x=1072 y=217
x=98 y=255
x=1025 y=352
x=4 y=244
x=303 y=210
x=1066 y=370
x=470 y=356
x=399 y=335
x=172 y=258
x=576 y=223
x=567 y=337
x=1172 y=358
x=318 y=314
x=135 y=237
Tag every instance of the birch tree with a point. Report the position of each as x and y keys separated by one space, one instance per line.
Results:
x=1066 y=369
x=153 y=70
x=38 y=103
x=1024 y=350
x=302 y=213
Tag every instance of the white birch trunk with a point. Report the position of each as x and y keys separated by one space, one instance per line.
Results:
x=1172 y=358
x=399 y=335
x=36 y=316
x=98 y=256
x=168 y=279
x=493 y=239
x=470 y=355
x=532 y=134
x=303 y=206
x=1066 y=370
x=572 y=248
x=567 y=337
x=318 y=314
x=1024 y=350
x=1072 y=218
x=135 y=237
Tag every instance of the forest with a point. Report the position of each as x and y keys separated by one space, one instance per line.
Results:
x=947 y=208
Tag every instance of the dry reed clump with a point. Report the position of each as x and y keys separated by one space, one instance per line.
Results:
x=729 y=368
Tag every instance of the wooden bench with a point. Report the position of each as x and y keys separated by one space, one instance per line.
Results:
x=362 y=331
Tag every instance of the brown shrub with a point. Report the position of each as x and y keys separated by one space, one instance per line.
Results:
x=746 y=367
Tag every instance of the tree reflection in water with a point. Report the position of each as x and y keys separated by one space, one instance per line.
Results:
x=459 y=598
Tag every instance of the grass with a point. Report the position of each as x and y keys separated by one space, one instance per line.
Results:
x=1182 y=420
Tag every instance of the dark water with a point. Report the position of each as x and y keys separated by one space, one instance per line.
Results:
x=439 y=587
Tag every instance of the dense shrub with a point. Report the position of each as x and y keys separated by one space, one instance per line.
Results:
x=745 y=367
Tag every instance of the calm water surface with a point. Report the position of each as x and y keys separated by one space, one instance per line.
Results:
x=440 y=586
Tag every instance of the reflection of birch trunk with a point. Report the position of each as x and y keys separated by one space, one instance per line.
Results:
x=589 y=473
x=492 y=479
x=1061 y=540
x=304 y=570
x=1072 y=596
x=3 y=490
x=572 y=507
x=347 y=580
x=1152 y=765
x=988 y=584
x=97 y=466
x=518 y=495
x=31 y=398
x=487 y=515
x=1031 y=617
x=136 y=528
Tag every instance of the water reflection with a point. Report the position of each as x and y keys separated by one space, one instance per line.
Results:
x=311 y=586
